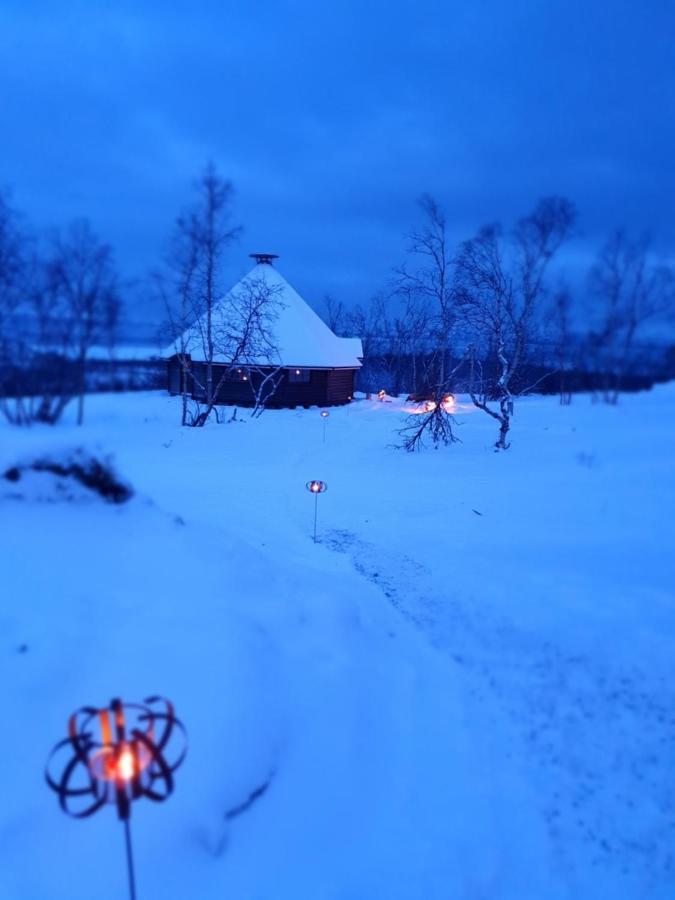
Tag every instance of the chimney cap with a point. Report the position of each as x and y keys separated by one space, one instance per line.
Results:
x=264 y=258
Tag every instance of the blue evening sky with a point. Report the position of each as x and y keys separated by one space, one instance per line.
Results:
x=331 y=118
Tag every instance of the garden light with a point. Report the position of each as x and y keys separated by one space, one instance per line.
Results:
x=316 y=488
x=117 y=755
x=324 y=415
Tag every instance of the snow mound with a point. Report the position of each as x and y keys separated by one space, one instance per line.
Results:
x=73 y=475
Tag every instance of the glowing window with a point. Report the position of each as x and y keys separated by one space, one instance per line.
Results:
x=298 y=375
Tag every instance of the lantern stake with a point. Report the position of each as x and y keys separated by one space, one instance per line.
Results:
x=316 y=488
x=316 y=509
x=130 y=860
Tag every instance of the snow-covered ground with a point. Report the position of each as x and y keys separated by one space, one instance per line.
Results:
x=464 y=690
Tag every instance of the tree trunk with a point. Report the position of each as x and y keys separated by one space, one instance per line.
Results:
x=506 y=410
x=80 y=399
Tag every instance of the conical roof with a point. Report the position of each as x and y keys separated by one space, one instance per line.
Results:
x=299 y=337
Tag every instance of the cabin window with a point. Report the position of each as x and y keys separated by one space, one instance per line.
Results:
x=298 y=375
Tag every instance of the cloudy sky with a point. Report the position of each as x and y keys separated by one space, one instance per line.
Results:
x=331 y=119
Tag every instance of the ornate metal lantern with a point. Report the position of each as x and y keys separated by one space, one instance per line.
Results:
x=116 y=755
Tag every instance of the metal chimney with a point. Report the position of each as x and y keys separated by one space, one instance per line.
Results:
x=264 y=258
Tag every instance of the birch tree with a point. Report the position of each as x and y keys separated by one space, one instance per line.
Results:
x=500 y=283
x=426 y=280
x=560 y=320
x=83 y=284
x=231 y=331
x=630 y=290
x=201 y=238
x=35 y=362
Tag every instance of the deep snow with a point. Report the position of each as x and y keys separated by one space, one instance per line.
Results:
x=463 y=690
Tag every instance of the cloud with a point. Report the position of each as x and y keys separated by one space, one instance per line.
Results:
x=332 y=118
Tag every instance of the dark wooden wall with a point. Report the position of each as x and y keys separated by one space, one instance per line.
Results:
x=326 y=387
x=340 y=386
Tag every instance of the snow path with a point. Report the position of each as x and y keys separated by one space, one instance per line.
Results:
x=598 y=738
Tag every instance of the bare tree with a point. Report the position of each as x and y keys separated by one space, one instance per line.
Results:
x=366 y=322
x=499 y=286
x=336 y=315
x=202 y=235
x=176 y=287
x=387 y=351
x=83 y=284
x=209 y=224
x=12 y=270
x=15 y=342
x=35 y=370
x=560 y=319
x=244 y=337
x=413 y=327
x=241 y=343
x=427 y=282
x=631 y=289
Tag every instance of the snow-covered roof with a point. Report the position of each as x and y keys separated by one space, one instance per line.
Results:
x=298 y=336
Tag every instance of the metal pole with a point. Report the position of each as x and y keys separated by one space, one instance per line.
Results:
x=316 y=506
x=130 y=861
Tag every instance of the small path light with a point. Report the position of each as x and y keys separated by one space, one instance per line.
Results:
x=117 y=754
x=324 y=416
x=316 y=488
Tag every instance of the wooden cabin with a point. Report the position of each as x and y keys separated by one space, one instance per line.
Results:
x=308 y=364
